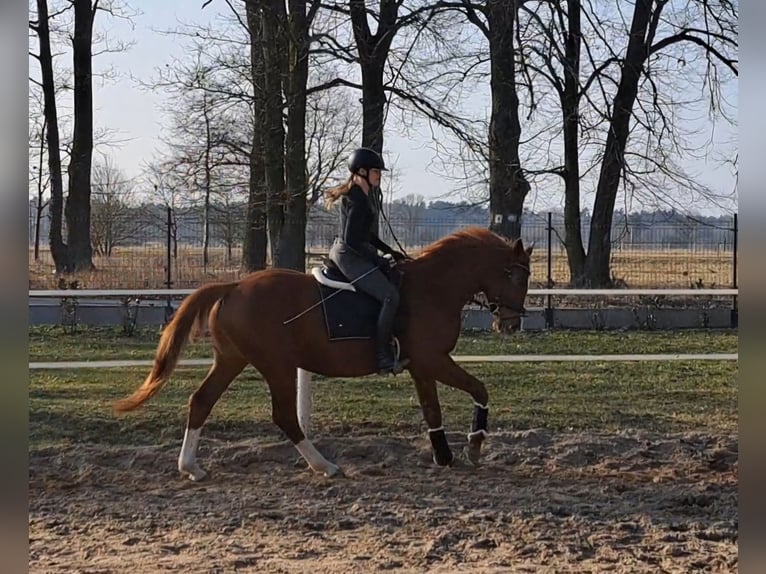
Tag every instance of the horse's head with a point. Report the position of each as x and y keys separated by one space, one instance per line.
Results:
x=476 y=259
x=506 y=284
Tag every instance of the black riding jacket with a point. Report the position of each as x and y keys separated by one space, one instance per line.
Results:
x=357 y=222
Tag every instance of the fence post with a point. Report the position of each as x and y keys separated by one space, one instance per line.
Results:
x=735 y=246
x=169 y=253
x=548 y=304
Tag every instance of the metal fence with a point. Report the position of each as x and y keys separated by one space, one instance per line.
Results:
x=155 y=247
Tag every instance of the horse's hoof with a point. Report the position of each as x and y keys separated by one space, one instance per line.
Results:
x=333 y=471
x=195 y=474
x=473 y=454
x=443 y=460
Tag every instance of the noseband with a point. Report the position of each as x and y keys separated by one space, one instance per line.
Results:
x=496 y=305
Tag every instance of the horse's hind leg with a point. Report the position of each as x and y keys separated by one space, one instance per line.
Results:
x=281 y=383
x=201 y=402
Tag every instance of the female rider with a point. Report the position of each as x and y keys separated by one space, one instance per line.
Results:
x=355 y=250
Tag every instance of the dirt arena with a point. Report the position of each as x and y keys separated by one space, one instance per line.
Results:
x=540 y=502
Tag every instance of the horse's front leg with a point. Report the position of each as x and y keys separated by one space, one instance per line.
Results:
x=432 y=413
x=446 y=371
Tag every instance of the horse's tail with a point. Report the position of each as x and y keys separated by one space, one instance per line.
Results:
x=187 y=320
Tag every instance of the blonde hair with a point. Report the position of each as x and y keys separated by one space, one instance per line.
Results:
x=335 y=193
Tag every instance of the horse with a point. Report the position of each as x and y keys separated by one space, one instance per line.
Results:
x=272 y=320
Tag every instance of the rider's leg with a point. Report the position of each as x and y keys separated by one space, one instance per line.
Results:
x=371 y=280
x=377 y=285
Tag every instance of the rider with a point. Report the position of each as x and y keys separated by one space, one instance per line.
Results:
x=355 y=250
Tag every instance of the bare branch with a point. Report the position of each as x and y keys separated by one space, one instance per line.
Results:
x=730 y=63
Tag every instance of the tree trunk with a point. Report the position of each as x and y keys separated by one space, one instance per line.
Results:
x=599 y=246
x=40 y=204
x=373 y=50
x=77 y=208
x=292 y=248
x=174 y=236
x=570 y=107
x=38 y=219
x=58 y=248
x=507 y=185
x=207 y=185
x=274 y=20
x=373 y=104
x=255 y=243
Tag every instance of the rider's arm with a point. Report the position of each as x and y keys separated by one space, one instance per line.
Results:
x=378 y=243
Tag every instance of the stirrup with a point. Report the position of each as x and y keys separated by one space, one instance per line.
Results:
x=395 y=368
x=391 y=364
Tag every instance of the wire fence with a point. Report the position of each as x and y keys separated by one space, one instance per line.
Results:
x=155 y=247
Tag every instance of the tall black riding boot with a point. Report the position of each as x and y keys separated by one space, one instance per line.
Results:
x=384 y=352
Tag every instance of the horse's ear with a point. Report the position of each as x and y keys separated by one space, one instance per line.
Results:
x=518 y=246
x=529 y=249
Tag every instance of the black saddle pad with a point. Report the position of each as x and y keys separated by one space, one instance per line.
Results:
x=348 y=315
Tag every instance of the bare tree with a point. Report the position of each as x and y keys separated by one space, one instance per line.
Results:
x=255 y=246
x=411 y=86
x=332 y=132
x=236 y=55
x=714 y=32
x=497 y=20
x=58 y=248
x=206 y=135
x=292 y=241
x=78 y=208
x=621 y=102
x=227 y=209
x=383 y=57
x=38 y=175
x=284 y=41
x=372 y=50
x=113 y=219
x=168 y=186
x=76 y=254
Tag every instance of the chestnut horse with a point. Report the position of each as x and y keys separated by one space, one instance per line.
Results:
x=248 y=321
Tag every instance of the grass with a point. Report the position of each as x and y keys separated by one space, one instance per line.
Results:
x=72 y=407
x=51 y=343
x=67 y=407
x=145 y=267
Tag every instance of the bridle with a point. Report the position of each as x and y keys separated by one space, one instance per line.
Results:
x=495 y=305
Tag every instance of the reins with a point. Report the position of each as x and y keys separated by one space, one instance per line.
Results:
x=493 y=306
x=379 y=201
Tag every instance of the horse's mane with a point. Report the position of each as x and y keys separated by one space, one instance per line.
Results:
x=469 y=237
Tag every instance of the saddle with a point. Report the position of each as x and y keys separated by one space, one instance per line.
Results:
x=329 y=275
x=348 y=313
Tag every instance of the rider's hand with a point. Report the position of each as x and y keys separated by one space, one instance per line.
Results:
x=385 y=262
x=398 y=256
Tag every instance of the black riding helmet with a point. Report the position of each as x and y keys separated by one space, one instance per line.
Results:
x=365 y=158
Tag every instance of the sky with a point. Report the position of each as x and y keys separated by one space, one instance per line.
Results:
x=135 y=115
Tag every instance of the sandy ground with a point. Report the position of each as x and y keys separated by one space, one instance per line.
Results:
x=540 y=502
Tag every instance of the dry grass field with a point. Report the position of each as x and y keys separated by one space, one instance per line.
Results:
x=145 y=267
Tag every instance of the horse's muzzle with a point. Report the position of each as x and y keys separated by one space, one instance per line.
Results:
x=506 y=319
